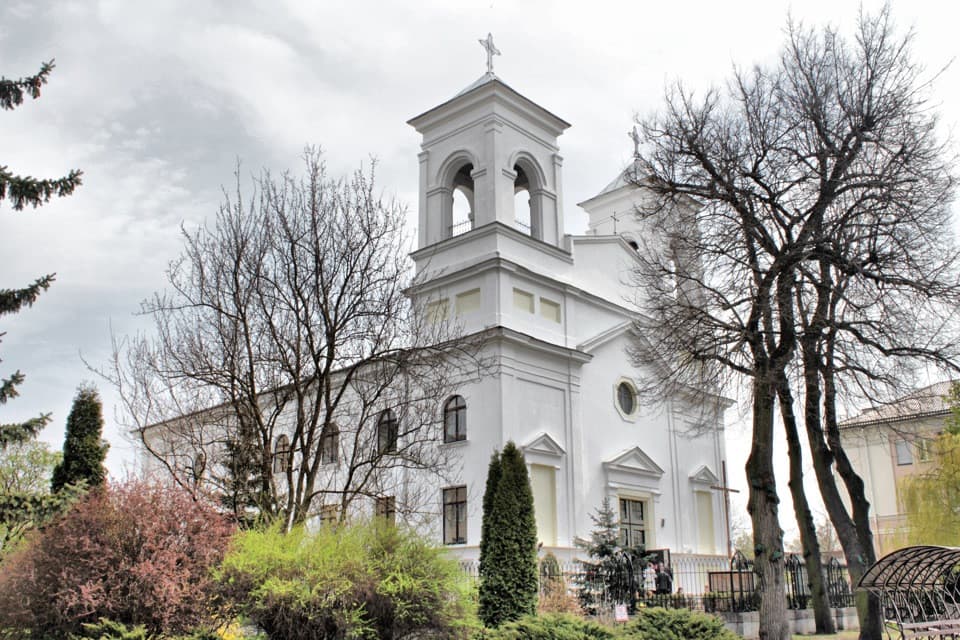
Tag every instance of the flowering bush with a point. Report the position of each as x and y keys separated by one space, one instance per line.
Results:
x=136 y=553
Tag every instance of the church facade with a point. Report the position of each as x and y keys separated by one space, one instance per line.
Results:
x=493 y=259
x=493 y=256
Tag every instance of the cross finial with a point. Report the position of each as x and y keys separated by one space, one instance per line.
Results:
x=491 y=51
x=636 y=141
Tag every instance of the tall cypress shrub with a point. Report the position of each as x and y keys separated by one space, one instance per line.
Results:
x=83 y=448
x=508 y=572
x=493 y=477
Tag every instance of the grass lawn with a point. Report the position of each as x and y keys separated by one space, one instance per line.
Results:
x=842 y=635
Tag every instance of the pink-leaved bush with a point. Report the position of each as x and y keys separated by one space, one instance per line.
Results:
x=137 y=553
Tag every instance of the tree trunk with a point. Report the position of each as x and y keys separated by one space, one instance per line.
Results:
x=763 y=506
x=823 y=618
x=868 y=604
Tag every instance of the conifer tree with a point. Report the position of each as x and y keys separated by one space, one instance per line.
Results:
x=22 y=191
x=508 y=574
x=493 y=477
x=83 y=448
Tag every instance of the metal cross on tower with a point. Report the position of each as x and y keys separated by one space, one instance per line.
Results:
x=491 y=51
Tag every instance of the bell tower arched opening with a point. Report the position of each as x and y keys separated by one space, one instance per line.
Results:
x=461 y=214
x=522 y=218
x=527 y=195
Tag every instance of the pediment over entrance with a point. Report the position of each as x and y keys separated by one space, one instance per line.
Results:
x=634 y=462
x=543 y=449
x=703 y=475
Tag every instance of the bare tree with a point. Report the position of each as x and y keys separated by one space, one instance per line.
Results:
x=819 y=180
x=289 y=371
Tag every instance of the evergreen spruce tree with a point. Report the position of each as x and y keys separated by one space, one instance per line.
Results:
x=19 y=511
x=508 y=574
x=83 y=447
x=23 y=191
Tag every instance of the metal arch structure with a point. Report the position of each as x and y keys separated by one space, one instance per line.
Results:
x=919 y=591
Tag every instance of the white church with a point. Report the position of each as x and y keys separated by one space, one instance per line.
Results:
x=564 y=390
x=492 y=256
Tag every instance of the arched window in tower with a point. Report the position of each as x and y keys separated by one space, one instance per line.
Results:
x=455 y=419
x=462 y=213
x=522 y=208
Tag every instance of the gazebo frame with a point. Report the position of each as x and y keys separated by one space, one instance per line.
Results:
x=919 y=591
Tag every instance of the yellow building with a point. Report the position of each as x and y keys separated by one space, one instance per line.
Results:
x=887 y=445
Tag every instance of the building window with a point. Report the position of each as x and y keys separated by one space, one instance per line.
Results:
x=632 y=524
x=387 y=432
x=904 y=454
x=455 y=419
x=924 y=449
x=455 y=515
x=386 y=508
x=523 y=300
x=282 y=455
x=330 y=444
x=329 y=514
x=550 y=310
x=626 y=398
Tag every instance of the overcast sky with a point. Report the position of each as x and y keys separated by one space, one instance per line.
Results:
x=156 y=101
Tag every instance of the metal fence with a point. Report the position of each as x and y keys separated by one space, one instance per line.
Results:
x=707 y=583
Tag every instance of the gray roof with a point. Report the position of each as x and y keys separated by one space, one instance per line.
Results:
x=928 y=401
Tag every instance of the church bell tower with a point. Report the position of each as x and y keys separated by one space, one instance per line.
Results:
x=489 y=156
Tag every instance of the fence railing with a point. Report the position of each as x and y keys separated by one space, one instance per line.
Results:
x=707 y=583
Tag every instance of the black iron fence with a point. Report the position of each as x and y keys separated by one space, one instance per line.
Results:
x=708 y=583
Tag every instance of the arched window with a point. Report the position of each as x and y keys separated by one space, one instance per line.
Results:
x=522 y=212
x=330 y=444
x=282 y=455
x=461 y=219
x=455 y=419
x=387 y=431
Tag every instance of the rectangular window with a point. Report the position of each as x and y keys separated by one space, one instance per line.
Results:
x=386 y=508
x=706 y=533
x=455 y=515
x=523 y=300
x=924 y=449
x=467 y=302
x=904 y=453
x=632 y=524
x=436 y=311
x=543 y=482
x=329 y=514
x=550 y=310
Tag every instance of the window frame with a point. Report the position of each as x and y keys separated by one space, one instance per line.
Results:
x=330 y=444
x=903 y=452
x=626 y=530
x=282 y=458
x=386 y=507
x=387 y=440
x=455 y=502
x=626 y=383
x=455 y=406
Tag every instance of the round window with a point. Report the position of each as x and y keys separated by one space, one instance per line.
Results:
x=626 y=398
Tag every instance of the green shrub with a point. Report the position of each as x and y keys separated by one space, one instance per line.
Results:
x=105 y=629
x=357 y=581
x=549 y=627
x=676 y=624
